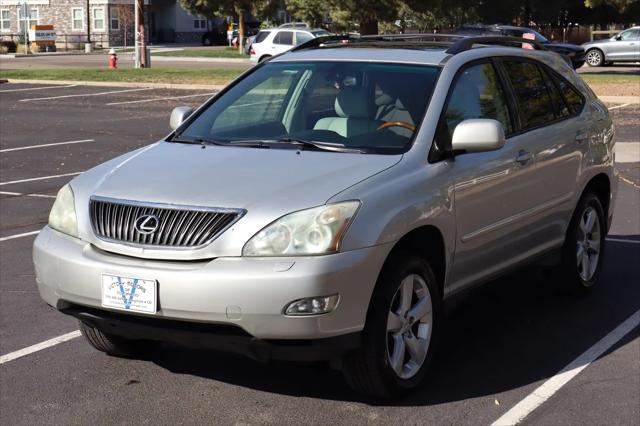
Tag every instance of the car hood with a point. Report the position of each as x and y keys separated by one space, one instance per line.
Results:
x=237 y=177
x=267 y=183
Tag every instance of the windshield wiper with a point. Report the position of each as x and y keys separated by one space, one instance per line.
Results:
x=323 y=146
x=196 y=141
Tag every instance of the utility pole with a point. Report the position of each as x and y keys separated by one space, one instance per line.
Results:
x=142 y=57
x=88 y=23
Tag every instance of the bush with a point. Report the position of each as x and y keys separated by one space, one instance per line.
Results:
x=10 y=46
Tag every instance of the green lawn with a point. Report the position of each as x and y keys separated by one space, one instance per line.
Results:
x=152 y=75
x=610 y=78
x=229 y=52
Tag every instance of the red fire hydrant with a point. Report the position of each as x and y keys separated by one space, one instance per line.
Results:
x=113 y=59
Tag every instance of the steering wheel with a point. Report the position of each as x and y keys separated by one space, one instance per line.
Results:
x=403 y=124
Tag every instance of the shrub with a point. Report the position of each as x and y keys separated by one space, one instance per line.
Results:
x=10 y=46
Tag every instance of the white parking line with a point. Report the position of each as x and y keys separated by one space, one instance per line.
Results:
x=46 y=145
x=523 y=408
x=38 y=88
x=619 y=106
x=85 y=94
x=160 y=99
x=12 y=237
x=22 y=194
x=39 y=178
x=39 y=346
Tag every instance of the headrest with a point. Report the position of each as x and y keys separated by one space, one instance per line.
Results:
x=354 y=102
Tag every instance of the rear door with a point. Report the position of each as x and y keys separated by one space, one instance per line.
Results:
x=491 y=189
x=556 y=138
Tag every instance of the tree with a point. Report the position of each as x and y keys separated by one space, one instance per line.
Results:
x=619 y=5
x=311 y=11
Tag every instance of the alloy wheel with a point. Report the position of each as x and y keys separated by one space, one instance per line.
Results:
x=594 y=58
x=588 y=244
x=409 y=326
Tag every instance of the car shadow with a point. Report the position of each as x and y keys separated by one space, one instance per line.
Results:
x=515 y=331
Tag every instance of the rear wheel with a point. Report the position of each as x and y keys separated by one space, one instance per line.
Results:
x=401 y=331
x=584 y=244
x=595 y=58
x=115 y=345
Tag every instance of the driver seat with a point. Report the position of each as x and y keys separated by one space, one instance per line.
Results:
x=355 y=110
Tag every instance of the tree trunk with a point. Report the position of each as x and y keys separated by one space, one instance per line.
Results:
x=240 y=30
x=368 y=26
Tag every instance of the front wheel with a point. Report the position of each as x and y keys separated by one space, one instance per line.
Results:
x=401 y=330
x=584 y=245
x=115 y=345
x=595 y=58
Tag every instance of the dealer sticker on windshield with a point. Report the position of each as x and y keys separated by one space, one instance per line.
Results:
x=129 y=294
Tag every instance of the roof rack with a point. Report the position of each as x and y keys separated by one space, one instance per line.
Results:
x=467 y=43
x=456 y=43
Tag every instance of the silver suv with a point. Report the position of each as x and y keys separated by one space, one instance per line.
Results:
x=328 y=202
x=623 y=47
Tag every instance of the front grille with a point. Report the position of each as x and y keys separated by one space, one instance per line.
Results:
x=175 y=226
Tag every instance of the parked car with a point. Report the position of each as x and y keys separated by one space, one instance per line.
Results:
x=278 y=40
x=327 y=203
x=623 y=47
x=573 y=52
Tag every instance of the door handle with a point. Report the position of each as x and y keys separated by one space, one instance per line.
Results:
x=523 y=157
x=581 y=137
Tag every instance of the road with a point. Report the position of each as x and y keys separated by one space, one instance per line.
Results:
x=500 y=343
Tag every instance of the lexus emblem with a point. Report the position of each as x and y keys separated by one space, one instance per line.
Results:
x=147 y=224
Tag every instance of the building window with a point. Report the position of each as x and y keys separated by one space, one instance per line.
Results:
x=199 y=23
x=98 y=19
x=114 y=18
x=5 y=23
x=27 y=21
x=77 y=19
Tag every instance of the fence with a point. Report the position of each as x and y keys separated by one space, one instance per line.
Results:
x=65 y=41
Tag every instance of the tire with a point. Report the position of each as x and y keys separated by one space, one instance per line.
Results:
x=115 y=345
x=584 y=245
x=370 y=369
x=264 y=58
x=595 y=58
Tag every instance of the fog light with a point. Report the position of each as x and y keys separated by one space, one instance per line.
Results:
x=312 y=305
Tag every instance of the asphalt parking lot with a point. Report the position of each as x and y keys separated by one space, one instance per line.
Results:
x=499 y=346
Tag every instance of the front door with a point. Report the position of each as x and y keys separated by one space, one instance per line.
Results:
x=491 y=189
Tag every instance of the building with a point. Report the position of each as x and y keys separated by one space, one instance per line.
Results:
x=111 y=22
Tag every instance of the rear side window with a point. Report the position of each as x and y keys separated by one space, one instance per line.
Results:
x=477 y=94
x=261 y=36
x=574 y=101
x=284 y=37
x=532 y=95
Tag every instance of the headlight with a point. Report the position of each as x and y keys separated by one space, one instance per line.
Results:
x=307 y=232
x=63 y=212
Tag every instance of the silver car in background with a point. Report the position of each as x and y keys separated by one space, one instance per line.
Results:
x=326 y=204
x=623 y=47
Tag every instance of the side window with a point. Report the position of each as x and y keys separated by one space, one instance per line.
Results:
x=284 y=37
x=574 y=101
x=262 y=35
x=532 y=96
x=628 y=35
x=560 y=106
x=302 y=37
x=477 y=94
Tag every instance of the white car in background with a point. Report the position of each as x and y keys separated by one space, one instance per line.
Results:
x=274 y=41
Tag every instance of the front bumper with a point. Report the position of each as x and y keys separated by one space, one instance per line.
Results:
x=249 y=293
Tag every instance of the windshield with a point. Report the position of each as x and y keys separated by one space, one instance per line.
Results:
x=369 y=107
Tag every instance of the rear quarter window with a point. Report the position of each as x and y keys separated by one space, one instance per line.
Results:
x=574 y=100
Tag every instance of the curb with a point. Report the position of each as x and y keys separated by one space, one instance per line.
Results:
x=122 y=84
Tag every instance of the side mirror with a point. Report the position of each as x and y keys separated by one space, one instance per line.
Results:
x=179 y=115
x=618 y=37
x=478 y=135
